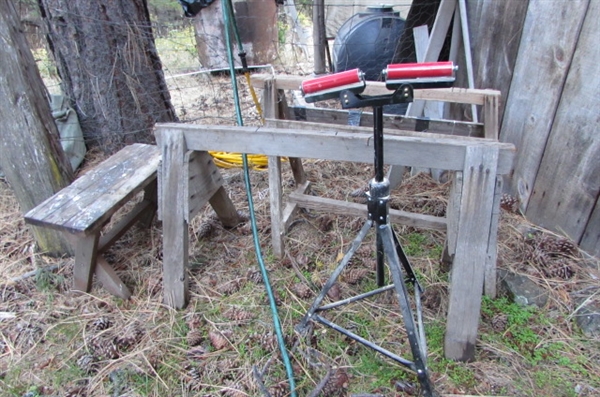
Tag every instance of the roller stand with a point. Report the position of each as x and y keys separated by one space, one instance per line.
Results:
x=388 y=250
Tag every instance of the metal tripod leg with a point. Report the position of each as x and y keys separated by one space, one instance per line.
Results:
x=416 y=335
x=303 y=326
x=395 y=256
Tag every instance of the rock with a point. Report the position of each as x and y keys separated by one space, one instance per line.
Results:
x=588 y=319
x=521 y=289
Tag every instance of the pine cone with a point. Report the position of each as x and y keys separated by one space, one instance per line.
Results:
x=194 y=337
x=276 y=297
x=130 y=337
x=229 y=287
x=236 y=314
x=87 y=363
x=336 y=384
x=280 y=390
x=233 y=389
x=509 y=203
x=255 y=276
x=195 y=321
x=192 y=374
x=559 y=269
x=354 y=276
x=105 y=348
x=302 y=260
x=335 y=292
x=499 y=322
x=536 y=256
x=206 y=229
x=101 y=323
x=219 y=340
x=195 y=374
x=226 y=365
x=301 y=290
x=555 y=246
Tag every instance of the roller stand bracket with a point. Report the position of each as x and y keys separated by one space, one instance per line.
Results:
x=388 y=250
x=351 y=100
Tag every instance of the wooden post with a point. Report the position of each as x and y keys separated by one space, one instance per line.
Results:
x=175 y=226
x=275 y=108
x=319 y=37
x=475 y=220
x=275 y=186
x=489 y=283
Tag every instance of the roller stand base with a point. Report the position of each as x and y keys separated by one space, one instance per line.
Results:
x=389 y=251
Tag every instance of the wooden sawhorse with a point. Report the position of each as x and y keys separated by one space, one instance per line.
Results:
x=471 y=216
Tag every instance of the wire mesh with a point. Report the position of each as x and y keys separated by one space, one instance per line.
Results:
x=277 y=39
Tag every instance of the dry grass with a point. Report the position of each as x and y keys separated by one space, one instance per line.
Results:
x=55 y=342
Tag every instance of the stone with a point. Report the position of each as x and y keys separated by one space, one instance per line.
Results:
x=588 y=319
x=521 y=289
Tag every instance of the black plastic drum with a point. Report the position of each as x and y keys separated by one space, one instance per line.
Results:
x=368 y=41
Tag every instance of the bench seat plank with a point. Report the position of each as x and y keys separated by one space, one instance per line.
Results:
x=89 y=202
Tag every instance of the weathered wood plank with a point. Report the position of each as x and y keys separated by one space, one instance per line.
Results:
x=287 y=217
x=276 y=206
x=453 y=214
x=124 y=224
x=445 y=153
x=336 y=116
x=546 y=49
x=490 y=276
x=175 y=227
x=454 y=95
x=590 y=241
x=567 y=185
x=224 y=208
x=339 y=207
x=90 y=201
x=275 y=186
x=203 y=181
x=496 y=28
x=468 y=269
x=110 y=280
x=86 y=252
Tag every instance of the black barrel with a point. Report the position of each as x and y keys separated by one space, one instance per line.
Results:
x=368 y=41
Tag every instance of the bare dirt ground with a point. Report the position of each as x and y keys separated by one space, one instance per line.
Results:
x=56 y=342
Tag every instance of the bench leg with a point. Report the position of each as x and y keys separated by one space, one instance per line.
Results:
x=86 y=252
x=110 y=280
x=150 y=195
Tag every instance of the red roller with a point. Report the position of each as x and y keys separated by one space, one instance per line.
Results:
x=329 y=86
x=428 y=70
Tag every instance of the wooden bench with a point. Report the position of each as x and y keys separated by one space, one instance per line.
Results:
x=83 y=209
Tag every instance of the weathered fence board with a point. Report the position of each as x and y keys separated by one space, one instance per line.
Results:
x=495 y=34
x=569 y=175
x=548 y=41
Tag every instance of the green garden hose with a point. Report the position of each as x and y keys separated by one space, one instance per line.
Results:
x=227 y=14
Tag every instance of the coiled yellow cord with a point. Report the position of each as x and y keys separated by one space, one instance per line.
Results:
x=234 y=160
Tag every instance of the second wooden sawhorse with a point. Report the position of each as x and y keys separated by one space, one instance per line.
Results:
x=474 y=203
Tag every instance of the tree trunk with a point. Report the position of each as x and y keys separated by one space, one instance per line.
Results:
x=30 y=151
x=110 y=70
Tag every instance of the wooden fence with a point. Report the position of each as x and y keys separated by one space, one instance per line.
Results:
x=543 y=57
